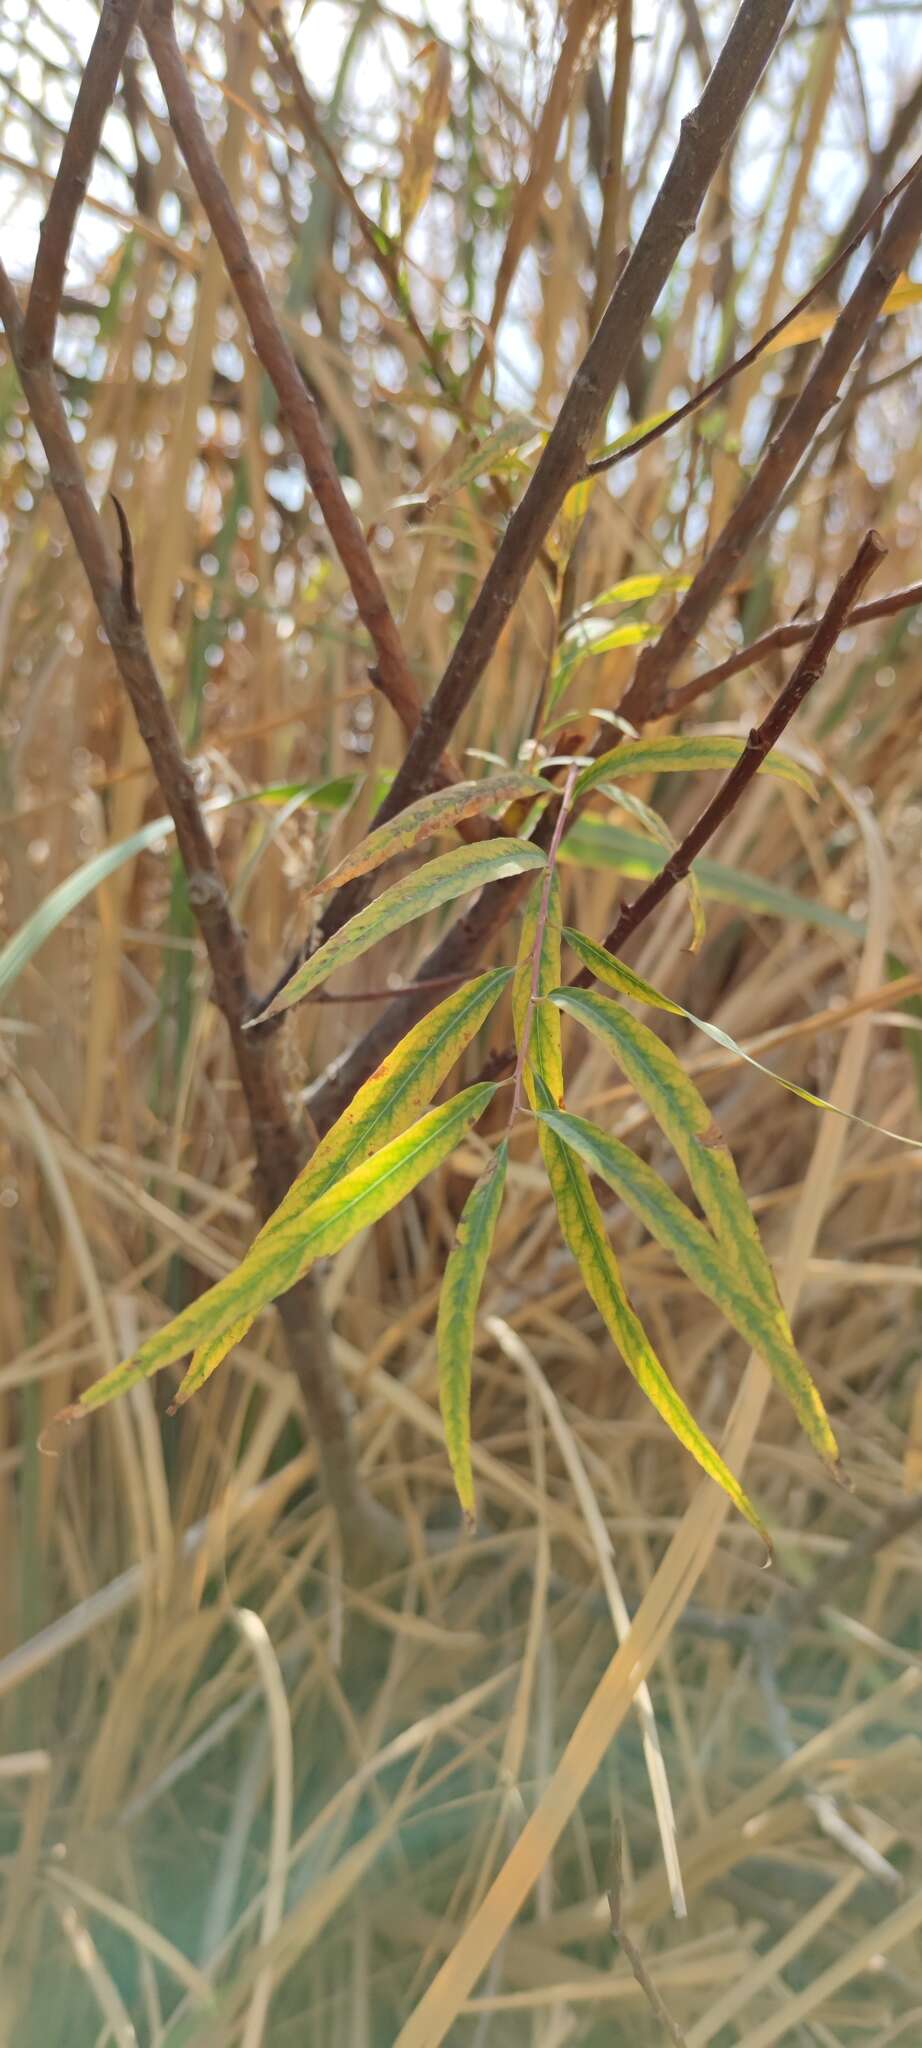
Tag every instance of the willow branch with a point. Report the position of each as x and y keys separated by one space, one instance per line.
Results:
x=781 y=637
x=94 y=98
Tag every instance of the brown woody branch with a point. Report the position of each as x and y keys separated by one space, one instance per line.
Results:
x=278 y=1152
x=750 y=355
x=780 y=637
x=704 y=136
x=758 y=746
x=393 y=674
x=94 y=98
x=647 y=694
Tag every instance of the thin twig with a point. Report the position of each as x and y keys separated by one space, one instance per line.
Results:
x=750 y=355
x=704 y=136
x=759 y=744
x=278 y=1151
x=620 y=1934
x=394 y=675
x=94 y=98
x=780 y=637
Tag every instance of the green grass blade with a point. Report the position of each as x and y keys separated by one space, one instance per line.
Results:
x=435 y=813
x=679 y=754
x=584 y=1233
x=279 y=1257
x=73 y=891
x=457 y=1315
x=440 y=881
x=705 y=1263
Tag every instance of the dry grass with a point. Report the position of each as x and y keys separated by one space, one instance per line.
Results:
x=242 y=1802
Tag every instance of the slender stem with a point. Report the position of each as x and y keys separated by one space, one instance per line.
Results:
x=759 y=744
x=780 y=637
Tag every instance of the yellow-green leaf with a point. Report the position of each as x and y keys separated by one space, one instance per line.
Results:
x=452 y=874
x=683 y=754
x=705 y=1263
x=584 y=1233
x=280 y=1255
x=683 y=1115
x=435 y=813
x=592 y=636
x=208 y=1356
x=633 y=590
x=606 y=968
x=812 y=326
x=537 y=1018
x=457 y=1315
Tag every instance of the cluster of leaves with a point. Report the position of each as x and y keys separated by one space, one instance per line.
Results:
x=389 y=1138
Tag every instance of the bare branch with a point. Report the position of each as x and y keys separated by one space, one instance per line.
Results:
x=759 y=744
x=94 y=98
x=704 y=136
x=394 y=675
x=647 y=694
x=278 y=1152
x=781 y=637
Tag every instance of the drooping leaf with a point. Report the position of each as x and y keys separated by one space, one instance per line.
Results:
x=656 y=827
x=406 y=1080
x=208 y=1356
x=435 y=813
x=683 y=1115
x=73 y=891
x=440 y=881
x=584 y=1233
x=280 y=1255
x=592 y=636
x=593 y=843
x=419 y=144
x=633 y=590
x=705 y=1263
x=811 y=326
x=544 y=1058
x=606 y=968
x=457 y=1316
x=684 y=754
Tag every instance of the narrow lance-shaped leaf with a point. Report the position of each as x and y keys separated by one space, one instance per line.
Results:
x=632 y=590
x=393 y=1095
x=457 y=1316
x=435 y=813
x=684 y=1116
x=593 y=843
x=279 y=1257
x=705 y=1263
x=538 y=1019
x=683 y=754
x=593 y=636
x=440 y=881
x=584 y=1233
x=607 y=969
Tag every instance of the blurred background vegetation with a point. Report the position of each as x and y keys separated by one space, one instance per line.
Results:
x=241 y=1800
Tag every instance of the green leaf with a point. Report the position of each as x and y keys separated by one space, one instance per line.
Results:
x=208 y=1356
x=683 y=1115
x=633 y=590
x=682 y=754
x=632 y=434
x=435 y=813
x=457 y=1315
x=593 y=843
x=584 y=1233
x=281 y=1255
x=592 y=636
x=452 y=874
x=73 y=891
x=538 y=1019
x=606 y=968
x=705 y=1263
x=393 y=1095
